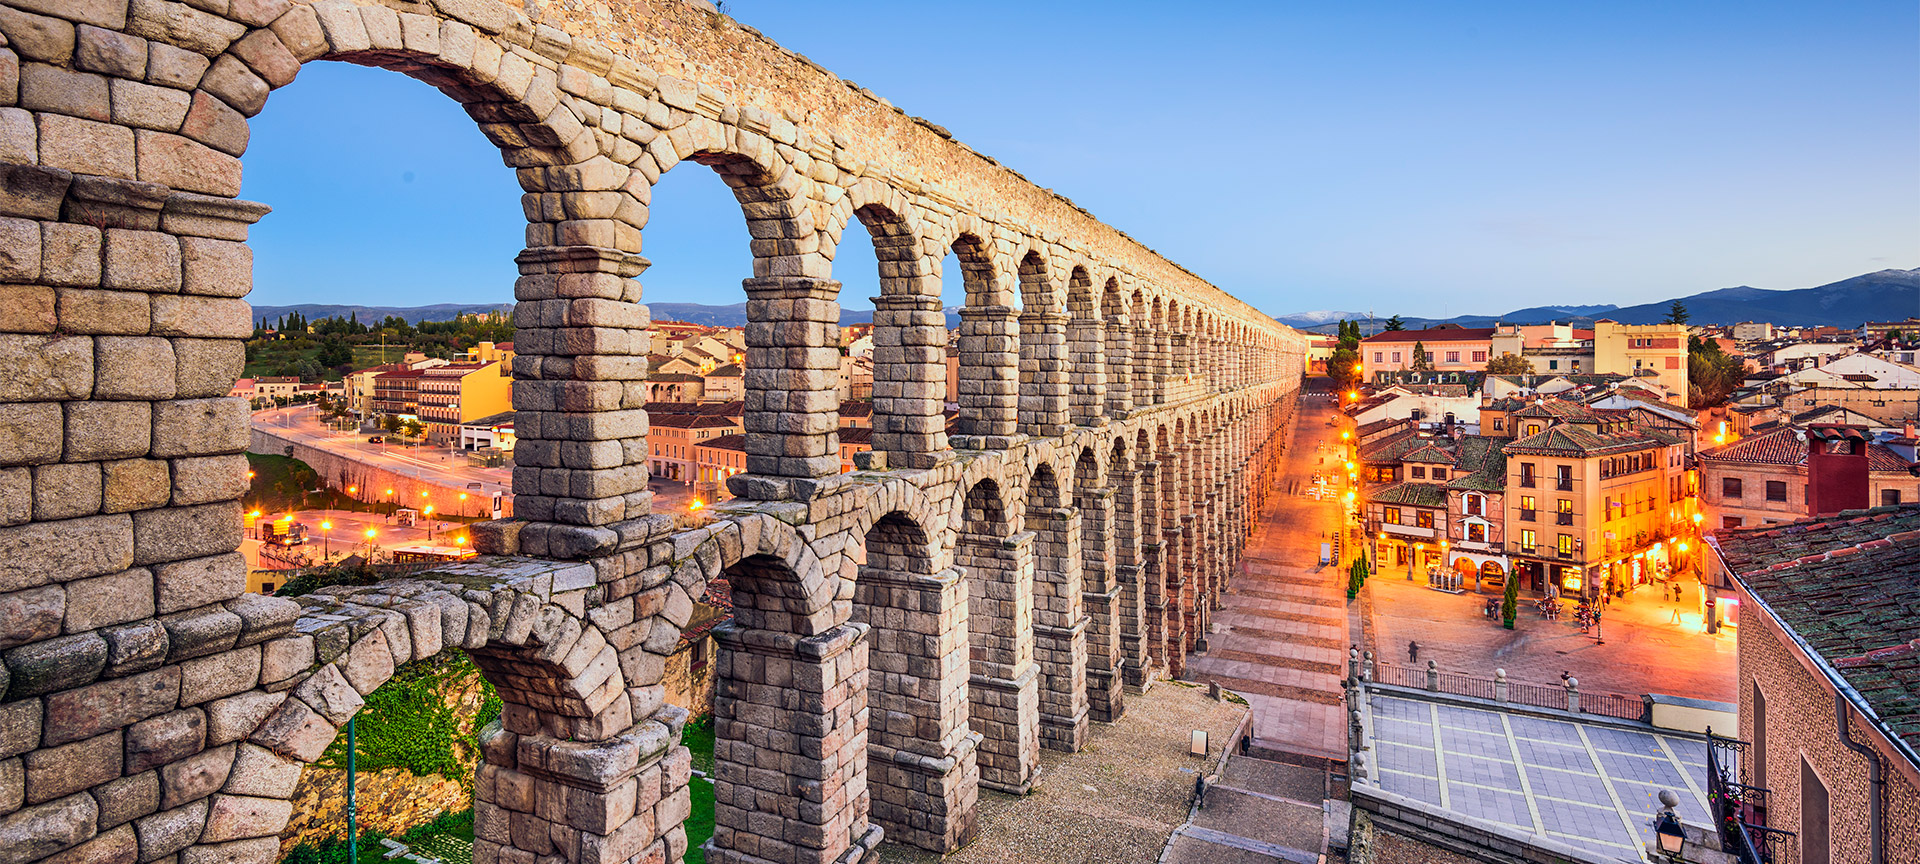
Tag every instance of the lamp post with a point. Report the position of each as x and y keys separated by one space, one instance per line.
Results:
x=428 y=512
x=370 y=535
x=1670 y=838
x=326 y=540
x=392 y=505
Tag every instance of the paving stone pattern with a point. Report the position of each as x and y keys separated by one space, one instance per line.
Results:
x=902 y=635
x=1589 y=784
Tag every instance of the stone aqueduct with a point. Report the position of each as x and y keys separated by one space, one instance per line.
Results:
x=903 y=634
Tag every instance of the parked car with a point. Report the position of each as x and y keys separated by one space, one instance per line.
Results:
x=377 y=439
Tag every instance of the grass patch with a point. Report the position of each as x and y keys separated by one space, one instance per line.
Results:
x=282 y=483
x=448 y=837
x=698 y=737
x=700 y=821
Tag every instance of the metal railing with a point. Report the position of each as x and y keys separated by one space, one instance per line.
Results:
x=1497 y=688
x=1739 y=811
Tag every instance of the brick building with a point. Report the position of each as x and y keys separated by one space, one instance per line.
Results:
x=1448 y=349
x=1830 y=680
x=1762 y=480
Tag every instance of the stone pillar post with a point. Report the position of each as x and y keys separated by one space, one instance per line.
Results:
x=1188 y=604
x=615 y=799
x=1162 y=365
x=909 y=387
x=1043 y=373
x=921 y=753
x=579 y=392
x=1059 y=628
x=1003 y=690
x=1087 y=375
x=1130 y=599
x=792 y=384
x=1119 y=366
x=1101 y=593
x=1145 y=376
x=790 y=755
x=989 y=376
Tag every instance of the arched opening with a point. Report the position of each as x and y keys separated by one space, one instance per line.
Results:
x=921 y=755
x=1099 y=587
x=1117 y=338
x=1043 y=351
x=901 y=353
x=1132 y=518
x=1086 y=352
x=983 y=367
x=1003 y=695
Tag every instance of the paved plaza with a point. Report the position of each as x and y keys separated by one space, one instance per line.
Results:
x=1593 y=785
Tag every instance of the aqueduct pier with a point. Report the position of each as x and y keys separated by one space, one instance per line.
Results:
x=903 y=634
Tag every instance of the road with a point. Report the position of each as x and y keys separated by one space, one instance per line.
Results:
x=301 y=423
x=349 y=534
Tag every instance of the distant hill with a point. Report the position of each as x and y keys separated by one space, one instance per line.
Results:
x=1847 y=303
x=373 y=314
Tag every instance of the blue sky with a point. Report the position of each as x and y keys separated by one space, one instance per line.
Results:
x=1419 y=158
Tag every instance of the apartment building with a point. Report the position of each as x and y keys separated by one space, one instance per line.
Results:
x=672 y=439
x=453 y=394
x=1656 y=351
x=1592 y=501
x=1448 y=349
x=1762 y=480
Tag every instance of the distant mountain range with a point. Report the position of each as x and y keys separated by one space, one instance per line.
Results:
x=1882 y=295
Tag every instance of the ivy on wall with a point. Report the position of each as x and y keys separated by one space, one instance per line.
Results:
x=415 y=722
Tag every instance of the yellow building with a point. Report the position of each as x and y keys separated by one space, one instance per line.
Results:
x=459 y=392
x=1656 y=351
x=1594 y=503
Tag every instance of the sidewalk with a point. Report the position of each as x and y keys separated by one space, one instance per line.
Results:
x=1282 y=636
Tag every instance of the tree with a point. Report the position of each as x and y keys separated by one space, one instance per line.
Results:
x=1712 y=374
x=1509 y=364
x=1340 y=368
x=1677 y=313
x=1510 y=604
x=335 y=353
x=415 y=428
x=1420 y=360
x=391 y=423
x=1396 y=324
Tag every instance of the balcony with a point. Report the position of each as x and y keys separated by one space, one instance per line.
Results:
x=1411 y=531
x=1563 y=484
x=1563 y=518
x=1526 y=482
x=1529 y=515
x=1565 y=554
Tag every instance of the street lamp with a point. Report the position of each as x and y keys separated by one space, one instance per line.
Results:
x=326 y=539
x=370 y=534
x=429 y=514
x=392 y=505
x=1666 y=827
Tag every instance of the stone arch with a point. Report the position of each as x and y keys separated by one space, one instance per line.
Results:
x=1116 y=337
x=922 y=753
x=1093 y=497
x=1086 y=352
x=1044 y=387
x=989 y=364
x=909 y=335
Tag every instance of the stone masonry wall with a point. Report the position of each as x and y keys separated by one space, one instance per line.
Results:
x=151 y=711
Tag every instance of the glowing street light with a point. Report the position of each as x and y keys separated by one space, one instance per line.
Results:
x=1344 y=434
x=326 y=539
x=429 y=514
x=370 y=535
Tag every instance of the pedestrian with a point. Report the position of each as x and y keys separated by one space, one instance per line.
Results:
x=1413 y=652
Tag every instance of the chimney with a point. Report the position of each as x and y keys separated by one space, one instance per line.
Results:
x=1836 y=469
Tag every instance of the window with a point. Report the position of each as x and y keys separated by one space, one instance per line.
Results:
x=1815 y=846
x=1418 y=472
x=1453 y=356
x=1424 y=518
x=1526 y=508
x=1390 y=516
x=1730 y=521
x=1608 y=516
x=1553 y=364
x=1564 y=480
x=1776 y=490
x=1439 y=473
x=1759 y=764
x=1376 y=357
x=1526 y=475
x=1396 y=356
x=1429 y=355
x=1565 y=512
x=1475 y=505
x=1499 y=424
x=1566 y=545
x=1479 y=356
x=1476 y=532
x=1526 y=539
x=1729 y=487
x=1533 y=428
x=266 y=587
x=1889 y=497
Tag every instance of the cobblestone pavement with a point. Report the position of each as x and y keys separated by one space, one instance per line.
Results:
x=1281 y=639
x=1114 y=802
x=1647 y=648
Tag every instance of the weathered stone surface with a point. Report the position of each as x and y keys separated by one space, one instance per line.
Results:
x=184 y=163
x=237 y=817
x=86 y=310
x=203 y=631
x=128 y=798
x=295 y=730
x=31 y=433
x=199 y=427
x=36 y=368
x=27 y=308
x=33 y=555
x=106 y=600
x=87 y=146
x=369 y=663
x=170 y=831
x=284 y=658
x=219 y=675
x=67 y=490
x=262 y=850
x=202 y=317
x=208 y=479
x=134 y=484
x=19 y=727
x=31 y=615
x=236 y=717
x=169 y=737
x=182 y=585
x=38 y=37
x=116 y=846
x=56 y=772
x=133 y=367
x=135 y=648
x=195 y=777
x=55 y=664
x=98 y=431
x=207 y=367
x=36 y=832
x=96 y=709
x=327 y=692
